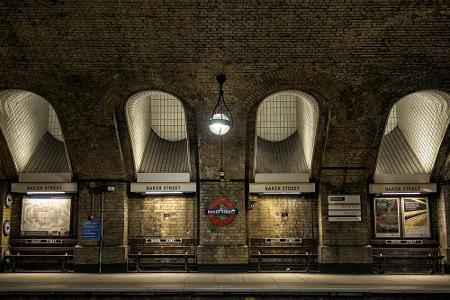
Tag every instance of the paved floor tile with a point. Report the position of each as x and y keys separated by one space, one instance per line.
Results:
x=220 y=282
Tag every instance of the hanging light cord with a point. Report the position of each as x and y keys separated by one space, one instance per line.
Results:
x=221 y=104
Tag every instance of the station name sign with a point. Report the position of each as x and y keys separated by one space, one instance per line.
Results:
x=221 y=211
x=423 y=188
x=24 y=187
x=163 y=187
x=282 y=188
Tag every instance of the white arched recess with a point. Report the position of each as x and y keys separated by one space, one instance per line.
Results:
x=33 y=133
x=286 y=126
x=413 y=135
x=157 y=126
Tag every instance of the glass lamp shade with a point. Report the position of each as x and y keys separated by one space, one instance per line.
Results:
x=219 y=124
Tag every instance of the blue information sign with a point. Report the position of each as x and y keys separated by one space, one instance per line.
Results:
x=90 y=230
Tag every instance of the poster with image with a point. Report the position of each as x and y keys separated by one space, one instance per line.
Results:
x=387 y=217
x=416 y=222
x=45 y=216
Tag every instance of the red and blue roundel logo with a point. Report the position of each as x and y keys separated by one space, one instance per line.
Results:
x=221 y=211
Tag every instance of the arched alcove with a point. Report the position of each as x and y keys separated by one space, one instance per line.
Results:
x=157 y=125
x=163 y=207
x=33 y=133
x=286 y=128
x=412 y=137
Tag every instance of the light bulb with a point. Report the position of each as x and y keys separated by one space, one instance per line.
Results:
x=219 y=124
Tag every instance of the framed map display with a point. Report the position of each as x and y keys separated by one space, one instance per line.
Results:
x=416 y=221
x=387 y=217
x=45 y=216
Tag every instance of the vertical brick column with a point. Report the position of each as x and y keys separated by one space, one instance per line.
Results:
x=344 y=246
x=115 y=230
x=222 y=245
x=443 y=213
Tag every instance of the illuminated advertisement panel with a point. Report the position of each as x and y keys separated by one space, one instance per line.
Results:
x=416 y=222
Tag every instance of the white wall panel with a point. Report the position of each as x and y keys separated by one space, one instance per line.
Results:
x=307 y=116
x=138 y=116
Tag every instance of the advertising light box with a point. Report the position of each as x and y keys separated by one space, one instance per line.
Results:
x=416 y=222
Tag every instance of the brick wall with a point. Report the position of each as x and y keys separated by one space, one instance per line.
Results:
x=222 y=244
x=355 y=57
x=344 y=246
x=76 y=57
x=115 y=227
x=162 y=216
x=265 y=219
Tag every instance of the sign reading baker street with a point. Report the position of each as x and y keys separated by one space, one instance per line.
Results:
x=25 y=187
x=221 y=211
x=282 y=188
x=379 y=188
x=162 y=187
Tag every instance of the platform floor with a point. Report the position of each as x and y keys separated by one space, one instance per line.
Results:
x=222 y=283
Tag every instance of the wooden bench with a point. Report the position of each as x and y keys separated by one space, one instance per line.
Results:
x=179 y=252
x=38 y=249
x=263 y=249
x=407 y=252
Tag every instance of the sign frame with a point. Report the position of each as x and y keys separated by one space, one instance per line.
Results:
x=344 y=208
x=282 y=188
x=163 y=187
x=93 y=235
x=402 y=188
x=44 y=187
x=428 y=233
x=27 y=210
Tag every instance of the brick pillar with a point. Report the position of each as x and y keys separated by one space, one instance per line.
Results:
x=222 y=247
x=443 y=213
x=115 y=229
x=222 y=244
x=344 y=246
x=5 y=214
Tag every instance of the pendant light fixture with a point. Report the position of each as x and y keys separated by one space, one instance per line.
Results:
x=221 y=119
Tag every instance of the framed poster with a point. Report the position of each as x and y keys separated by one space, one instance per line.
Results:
x=387 y=217
x=416 y=220
x=45 y=216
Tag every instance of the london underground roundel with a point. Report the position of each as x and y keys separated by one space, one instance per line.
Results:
x=221 y=211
